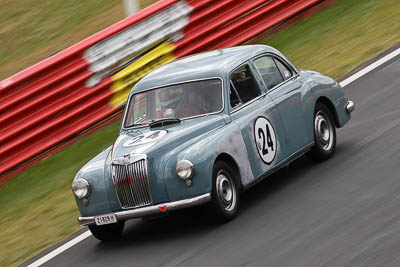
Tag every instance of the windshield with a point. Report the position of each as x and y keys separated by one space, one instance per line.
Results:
x=174 y=101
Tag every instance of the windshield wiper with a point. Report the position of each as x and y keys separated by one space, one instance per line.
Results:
x=164 y=122
x=140 y=121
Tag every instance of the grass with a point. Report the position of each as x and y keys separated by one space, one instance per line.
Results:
x=342 y=36
x=37 y=207
x=31 y=30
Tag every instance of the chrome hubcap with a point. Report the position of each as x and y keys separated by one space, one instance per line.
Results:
x=323 y=130
x=226 y=191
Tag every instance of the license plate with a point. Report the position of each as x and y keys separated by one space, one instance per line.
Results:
x=105 y=219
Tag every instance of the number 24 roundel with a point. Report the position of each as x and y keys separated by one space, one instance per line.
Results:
x=265 y=138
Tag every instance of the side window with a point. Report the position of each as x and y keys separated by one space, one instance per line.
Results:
x=285 y=71
x=234 y=97
x=269 y=71
x=243 y=87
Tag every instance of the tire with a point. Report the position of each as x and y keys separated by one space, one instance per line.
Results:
x=107 y=232
x=225 y=196
x=324 y=134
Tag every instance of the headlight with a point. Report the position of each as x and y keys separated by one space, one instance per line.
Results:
x=81 y=188
x=184 y=169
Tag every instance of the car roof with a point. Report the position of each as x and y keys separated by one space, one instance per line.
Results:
x=216 y=63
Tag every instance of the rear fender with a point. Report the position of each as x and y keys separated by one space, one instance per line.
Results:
x=328 y=91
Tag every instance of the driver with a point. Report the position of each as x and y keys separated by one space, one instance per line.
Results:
x=177 y=102
x=172 y=104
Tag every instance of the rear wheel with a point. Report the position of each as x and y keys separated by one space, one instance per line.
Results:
x=107 y=232
x=324 y=134
x=225 y=194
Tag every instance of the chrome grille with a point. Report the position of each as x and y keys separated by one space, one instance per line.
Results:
x=131 y=184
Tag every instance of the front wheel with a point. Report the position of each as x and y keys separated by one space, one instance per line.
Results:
x=107 y=232
x=225 y=194
x=324 y=134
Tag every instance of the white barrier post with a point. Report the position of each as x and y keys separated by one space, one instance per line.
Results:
x=131 y=7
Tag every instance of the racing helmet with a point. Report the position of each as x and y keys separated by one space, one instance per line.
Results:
x=170 y=97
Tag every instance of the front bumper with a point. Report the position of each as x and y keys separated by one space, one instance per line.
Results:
x=151 y=210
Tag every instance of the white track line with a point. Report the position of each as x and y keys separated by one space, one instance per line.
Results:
x=86 y=234
x=369 y=68
x=60 y=249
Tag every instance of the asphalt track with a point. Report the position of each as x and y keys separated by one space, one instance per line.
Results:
x=343 y=212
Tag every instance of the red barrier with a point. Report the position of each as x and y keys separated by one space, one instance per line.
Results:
x=222 y=25
x=46 y=105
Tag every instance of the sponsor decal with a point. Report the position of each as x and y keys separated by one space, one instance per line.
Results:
x=124 y=80
x=109 y=55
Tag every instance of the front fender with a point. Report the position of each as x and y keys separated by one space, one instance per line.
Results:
x=94 y=173
x=203 y=152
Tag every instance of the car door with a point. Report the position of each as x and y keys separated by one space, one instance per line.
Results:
x=255 y=113
x=286 y=89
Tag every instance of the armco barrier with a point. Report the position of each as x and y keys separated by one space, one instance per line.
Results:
x=53 y=102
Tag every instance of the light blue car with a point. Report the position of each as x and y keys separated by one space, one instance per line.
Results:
x=204 y=129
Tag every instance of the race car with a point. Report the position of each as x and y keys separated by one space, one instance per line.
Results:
x=205 y=128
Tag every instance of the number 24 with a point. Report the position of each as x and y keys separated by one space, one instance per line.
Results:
x=266 y=142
